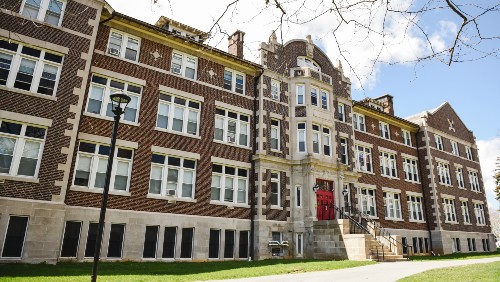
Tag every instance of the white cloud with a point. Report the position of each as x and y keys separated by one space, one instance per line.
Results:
x=489 y=150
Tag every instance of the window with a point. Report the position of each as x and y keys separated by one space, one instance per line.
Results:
x=341 y=112
x=13 y=244
x=234 y=81
x=479 y=212
x=30 y=69
x=298 y=196
x=21 y=147
x=367 y=199
x=406 y=137
x=465 y=211
x=388 y=164
x=486 y=245
x=185 y=65
x=439 y=142
x=344 y=155
x=214 y=243
x=324 y=99
x=456 y=245
x=91 y=240
x=229 y=184
x=471 y=242
x=460 y=177
x=301 y=137
x=71 y=238
x=415 y=209
x=468 y=153
x=92 y=162
x=314 y=96
x=150 y=241
x=275 y=134
x=172 y=176
x=359 y=122
x=411 y=169
x=275 y=189
x=299 y=244
x=275 y=89
x=384 y=130
x=187 y=242
x=115 y=244
x=300 y=94
x=309 y=63
x=243 y=244
x=123 y=45
x=169 y=242
x=392 y=203
x=454 y=148
x=326 y=141
x=316 y=138
x=449 y=210
x=229 y=243
x=474 y=181
x=364 y=158
x=277 y=237
x=99 y=97
x=444 y=173
x=178 y=114
x=49 y=11
x=231 y=127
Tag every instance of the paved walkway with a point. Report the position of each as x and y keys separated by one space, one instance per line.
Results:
x=385 y=271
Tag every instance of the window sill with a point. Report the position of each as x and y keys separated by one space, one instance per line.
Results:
x=19 y=178
x=417 y=221
x=413 y=182
x=110 y=119
x=24 y=92
x=463 y=188
x=366 y=172
x=122 y=58
x=394 y=219
x=276 y=151
x=170 y=198
x=177 y=133
x=277 y=208
x=444 y=184
x=231 y=144
x=451 y=222
x=478 y=192
x=99 y=191
x=480 y=224
x=466 y=223
x=228 y=204
x=390 y=177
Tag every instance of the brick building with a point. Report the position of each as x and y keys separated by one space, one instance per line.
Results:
x=217 y=157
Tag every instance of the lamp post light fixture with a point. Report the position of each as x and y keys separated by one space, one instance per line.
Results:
x=119 y=102
x=345 y=193
x=315 y=187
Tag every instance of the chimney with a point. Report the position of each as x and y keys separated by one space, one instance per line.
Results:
x=235 y=44
x=386 y=100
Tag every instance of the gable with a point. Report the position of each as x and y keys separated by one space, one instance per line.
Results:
x=445 y=119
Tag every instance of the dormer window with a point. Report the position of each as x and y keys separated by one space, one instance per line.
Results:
x=308 y=63
x=375 y=106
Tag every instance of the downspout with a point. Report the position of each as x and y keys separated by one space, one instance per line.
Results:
x=252 y=162
x=108 y=19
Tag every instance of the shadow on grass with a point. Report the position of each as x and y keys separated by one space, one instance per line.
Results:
x=68 y=269
x=458 y=256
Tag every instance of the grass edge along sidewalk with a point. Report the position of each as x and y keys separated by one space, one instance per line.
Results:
x=458 y=256
x=161 y=271
x=483 y=272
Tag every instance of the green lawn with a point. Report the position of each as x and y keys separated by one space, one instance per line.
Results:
x=483 y=272
x=457 y=256
x=158 y=271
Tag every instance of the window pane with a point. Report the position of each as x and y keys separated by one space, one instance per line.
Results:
x=155 y=181
x=242 y=193
x=132 y=49
x=187 y=185
x=192 y=126
x=150 y=239
x=116 y=240
x=71 y=239
x=31 y=8
x=176 y=63
x=239 y=84
x=243 y=134
x=121 y=177
x=131 y=109
x=169 y=242
x=228 y=192
x=187 y=242
x=24 y=76
x=53 y=12
x=14 y=239
x=219 y=128
x=91 y=240
x=115 y=43
x=231 y=131
x=178 y=119
x=172 y=178
x=5 y=62
x=216 y=186
x=163 y=111
x=7 y=146
x=228 y=78
x=83 y=171
x=229 y=244
x=213 y=244
x=29 y=159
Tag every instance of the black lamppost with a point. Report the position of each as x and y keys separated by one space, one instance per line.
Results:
x=345 y=192
x=119 y=102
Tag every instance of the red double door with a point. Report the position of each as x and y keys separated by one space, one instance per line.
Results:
x=325 y=205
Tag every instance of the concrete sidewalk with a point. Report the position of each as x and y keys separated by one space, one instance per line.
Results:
x=385 y=271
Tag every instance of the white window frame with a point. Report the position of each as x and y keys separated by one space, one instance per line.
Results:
x=19 y=146
x=233 y=86
x=465 y=211
x=298 y=197
x=107 y=90
x=300 y=94
x=299 y=250
x=275 y=135
x=344 y=150
x=388 y=164
x=460 y=177
x=24 y=236
x=364 y=158
x=454 y=148
x=415 y=208
x=275 y=89
x=181 y=169
x=468 y=153
x=474 y=181
x=479 y=212
x=406 y=137
x=316 y=138
x=43 y=9
x=275 y=179
x=235 y=178
x=168 y=101
x=315 y=93
x=385 y=131
x=392 y=205
x=444 y=173
x=125 y=38
x=95 y=158
x=325 y=100
x=327 y=143
x=308 y=63
x=302 y=132
x=183 y=64
x=439 y=142
x=368 y=196
x=239 y=121
x=17 y=57
x=410 y=167
x=341 y=111
x=449 y=210
x=359 y=122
